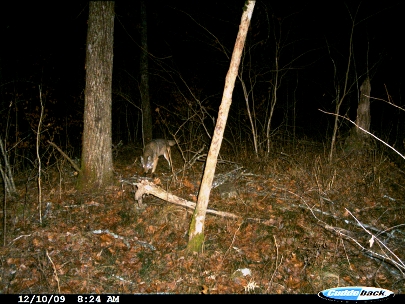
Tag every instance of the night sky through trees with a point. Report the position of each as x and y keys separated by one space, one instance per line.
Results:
x=44 y=44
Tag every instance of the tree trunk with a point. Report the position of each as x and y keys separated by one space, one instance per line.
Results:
x=358 y=140
x=144 y=86
x=196 y=231
x=97 y=167
x=363 y=110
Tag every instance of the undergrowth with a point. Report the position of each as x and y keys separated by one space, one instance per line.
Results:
x=299 y=234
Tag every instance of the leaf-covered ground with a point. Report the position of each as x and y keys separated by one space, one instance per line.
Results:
x=309 y=237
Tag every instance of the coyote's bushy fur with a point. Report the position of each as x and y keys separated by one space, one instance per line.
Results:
x=152 y=152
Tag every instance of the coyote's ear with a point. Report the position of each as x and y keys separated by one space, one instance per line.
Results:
x=142 y=161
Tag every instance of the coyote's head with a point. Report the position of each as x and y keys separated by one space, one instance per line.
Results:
x=148 y=165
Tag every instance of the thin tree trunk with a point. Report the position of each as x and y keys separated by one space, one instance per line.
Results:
x=196 y=231
x=144 y=87
x=97 y=167
x=272 y=102
x=339 y=100
x=251 y=116
x=6 y=173
x=335 y=125
x=363 y=118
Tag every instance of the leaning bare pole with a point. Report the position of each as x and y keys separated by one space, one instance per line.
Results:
x=196 y=231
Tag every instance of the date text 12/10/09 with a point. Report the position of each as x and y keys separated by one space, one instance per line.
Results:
x=67 y=299
x=32 y=299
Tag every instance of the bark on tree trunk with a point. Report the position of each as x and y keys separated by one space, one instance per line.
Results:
x=363 y=110
x=358 y=140
x=96 y=164
x=196 y=231
x=144 y=86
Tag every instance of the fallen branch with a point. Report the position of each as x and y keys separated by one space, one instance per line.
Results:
x=346 y=234
x=124 y=240
x=387 y=254
x=146 y=187
x=65 y=156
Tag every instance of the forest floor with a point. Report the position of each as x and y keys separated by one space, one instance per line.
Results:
x=322 y=225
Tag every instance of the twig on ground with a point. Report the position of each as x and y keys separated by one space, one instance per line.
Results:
x=54 y=270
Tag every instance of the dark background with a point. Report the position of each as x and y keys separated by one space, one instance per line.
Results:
x=43 y=44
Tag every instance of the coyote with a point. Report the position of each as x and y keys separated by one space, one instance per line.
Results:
x=152 y=152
